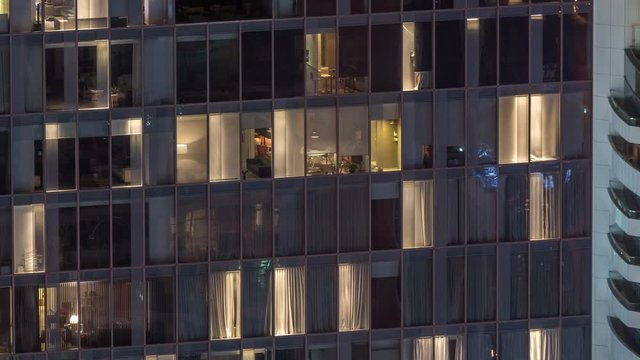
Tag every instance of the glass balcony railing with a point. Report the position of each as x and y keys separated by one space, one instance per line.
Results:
x=626 y=104
x=628 y=151
x=628 y=336
x=627 y=246
x=627 y=292
x=624 y=199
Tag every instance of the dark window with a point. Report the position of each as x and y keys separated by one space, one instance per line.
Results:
x=321 y=8
x=545 y=279
x=545 y=48
x=450 y=285
x=352 y=62
x=257 y=220
x=189 y=11
x=386 y=62
x=224 y=66
x=385 y=216
x=481 y=284
x=5 y=318
x=354 y=210
x=128 y=305
x=192 y=303
x=127 y=222
x=417 y=131
x=450 y=128
x=94 y=231
x=482 y=115
x=191 y=65
x=576 y=287
x=482 y=47
x=450 y=216
x=93 y=142
x=322 y=295
x=576 y=47
x=28 y=141
x=514 y=50
x=481 y=204
x=418 y=288
x=378 y=6
x=289 y=218
x=192 y=224
x=125 y=69
x=26 y=76
x=27 y=320
x=160 y=226
x=289 y=63
x=385 y=294
x=411 y=5
x=321 y=215
x=160 y=297
x=289 y=8
x=5 y=157
x=160 y=149
x=513 y=197
x=225 y=222
x=450 y=54
x=62 y=241
x=157 y=68
x=256 y=65
x=5 y=237
x=256 y=292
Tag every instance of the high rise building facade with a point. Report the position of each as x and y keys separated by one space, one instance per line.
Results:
x=616 y=181
x=291 y=179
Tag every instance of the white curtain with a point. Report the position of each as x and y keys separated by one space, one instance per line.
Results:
x=224 y=146
x=225 y=304
x=545 y=120
x=290 y=304
x=445 y=346
x=28 y=238
x=423 y=348
x=544 y=344
x=513 y=129
x=417 y=216
x=543 y=206
x=354 y=296
x=288 y=145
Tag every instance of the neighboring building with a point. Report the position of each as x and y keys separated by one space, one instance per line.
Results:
x=281 y=179
x=616 y=231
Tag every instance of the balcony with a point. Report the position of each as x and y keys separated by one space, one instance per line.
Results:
x=625 y=162
x=627 y=208
x=626 y=246
x=627 y=292
x=627 y=336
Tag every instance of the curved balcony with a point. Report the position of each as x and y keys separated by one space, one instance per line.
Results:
x=627 y=336
x=626 y=246
x=627 y=208
x=625 y=163
x=626 y=105
x=632 y=68
x=627 y=292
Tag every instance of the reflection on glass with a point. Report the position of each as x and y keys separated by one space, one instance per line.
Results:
x=63 y=318
x=126 y=224
x=158 y=56
x=321 y=140
x=353 y=54
x=160 y=226
x=385 y=145
x=5 y=319
x=289 y=298
x=27 y=151
x=30 y=314
x=288 y=148
x=28 y=238
x=93 y=74
x=192 y=224
x=416 y=56
x=126 y=152
x=126 y=73
x=61 y=83
x=93 y=14
x=60 y=155
x=59 y=15
x=160 y=309
x=354 y=139
x=94 y=314
x=125 y=13
x=95 y=232
x=224 y=142
x=224 y=66
x=158 y=12
x=26 y=76
x=544 y=205
x=128 y=308
x=93 y=162
x=545 y=122
x=320 y=57
x=513 y=128
x=417 y=214
x=354 y=296
x=224 y=294
x=256 y=145
x=61 y=232
x=191 y=65
x=191 y=148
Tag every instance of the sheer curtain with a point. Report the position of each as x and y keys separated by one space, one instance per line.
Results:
x=417 y=216
x=225 y=304
x=545 y=116
x=446 y=346
x=288 y=147
x=354 y=296
x=224 y=143
x=322 y=301
x=289 y=297
x=423 y=348
x=94 y=312
x=543 y=206
x=544 y=344
x=192 y=304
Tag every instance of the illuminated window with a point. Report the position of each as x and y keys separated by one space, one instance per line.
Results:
x=93 y=14
x=28 y=238
x=437 y=347
x=416 y=56
x=353 y=295
x=288 y=148
x=386 y=142
x=353 y=135
x=93 y=72
x=320 y=54
x=126 y=152
x=94 y=317
x=544 y=344
x=59 y=15
x=290 y=300
x=158 y=12
x=321 y=140
x=63 y=318
x=224 y=145
x=191 y=148
x=529 y=128
x=417 y=214
x=256 y=145
x=60 y=154
x=224 y=292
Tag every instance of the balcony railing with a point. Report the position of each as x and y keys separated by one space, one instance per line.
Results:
x=627 y=292
x=624 y=199
x=628 y=336
x=626 y=246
